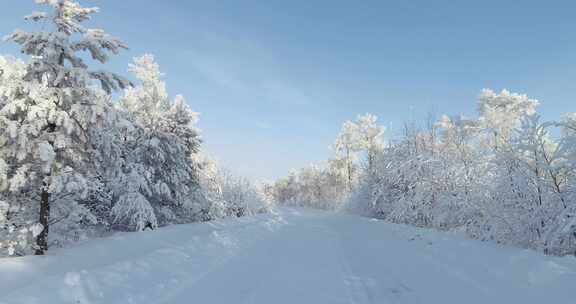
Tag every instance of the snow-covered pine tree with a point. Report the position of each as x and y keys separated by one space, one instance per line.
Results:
x=158 y=156
x=46 y=122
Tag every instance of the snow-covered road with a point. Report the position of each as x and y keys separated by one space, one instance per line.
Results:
x=293 y=256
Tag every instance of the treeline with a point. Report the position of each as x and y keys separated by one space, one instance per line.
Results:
x=328 y=186
x=504 y=176
x=77 y=163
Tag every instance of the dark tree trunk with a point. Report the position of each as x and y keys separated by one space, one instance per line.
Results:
x=42 y=238
x=44 y=216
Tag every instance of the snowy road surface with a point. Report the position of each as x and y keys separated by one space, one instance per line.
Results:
x=294 y=256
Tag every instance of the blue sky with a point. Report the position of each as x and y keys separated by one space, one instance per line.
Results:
x=274 y=80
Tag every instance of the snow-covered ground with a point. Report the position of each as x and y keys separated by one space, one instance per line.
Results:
x=293 y=256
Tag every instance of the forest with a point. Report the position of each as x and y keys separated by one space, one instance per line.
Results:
x=504 y=176
x=84 y=152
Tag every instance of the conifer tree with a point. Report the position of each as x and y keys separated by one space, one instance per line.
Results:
x=47 y=121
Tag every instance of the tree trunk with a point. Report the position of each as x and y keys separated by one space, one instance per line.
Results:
x=349 y=169
x=42 y=238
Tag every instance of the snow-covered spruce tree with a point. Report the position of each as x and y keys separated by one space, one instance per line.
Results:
x=158 y=146
x=46 y=122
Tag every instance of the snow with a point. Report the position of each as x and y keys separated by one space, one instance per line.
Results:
x=291 y=256
x=36 y=16
x=47 y=155
x=36 y=229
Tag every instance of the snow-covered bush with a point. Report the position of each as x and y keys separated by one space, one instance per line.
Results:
x=223 y=194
